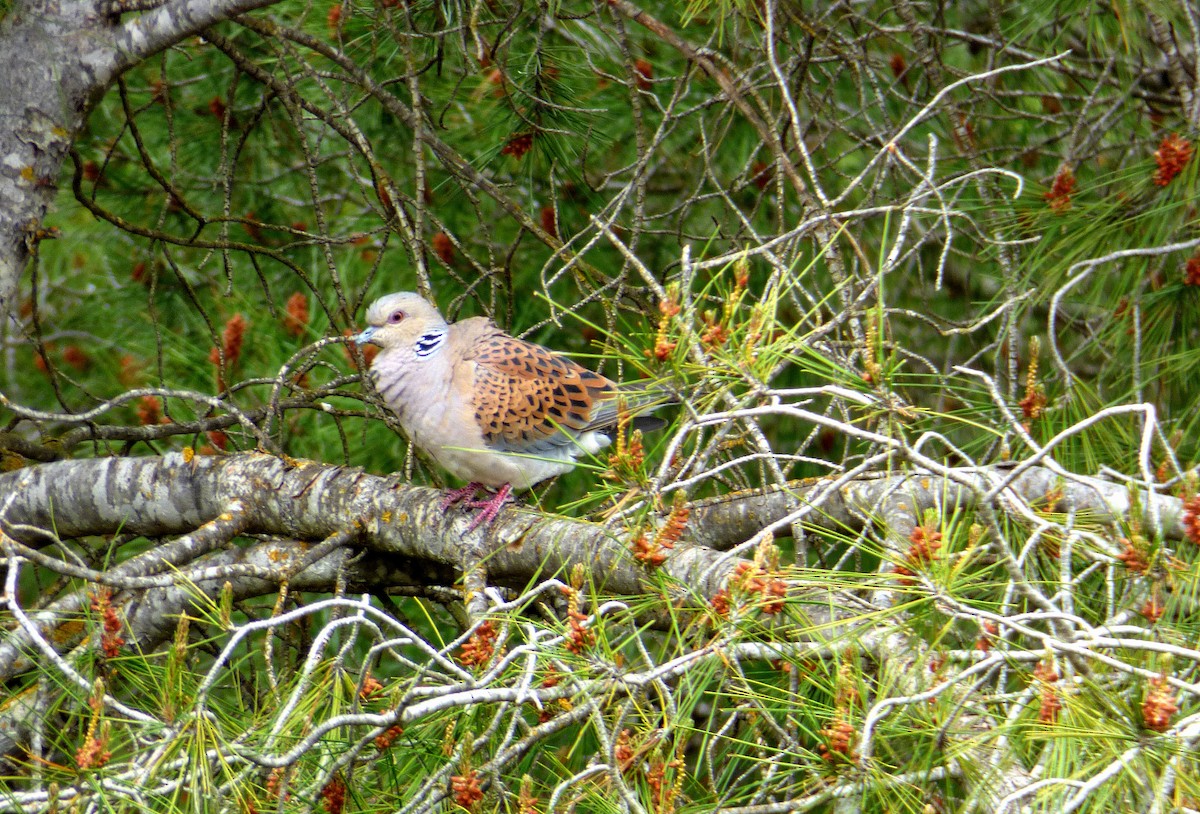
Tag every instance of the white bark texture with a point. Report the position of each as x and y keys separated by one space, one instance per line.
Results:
x=209 y=500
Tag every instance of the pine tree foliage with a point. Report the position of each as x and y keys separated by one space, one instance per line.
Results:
x=925 y=279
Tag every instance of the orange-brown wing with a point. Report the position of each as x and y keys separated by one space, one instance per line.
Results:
x=530 y=399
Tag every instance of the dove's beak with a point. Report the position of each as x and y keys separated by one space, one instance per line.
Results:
x=364 y=337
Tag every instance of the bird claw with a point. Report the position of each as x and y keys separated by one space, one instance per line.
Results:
x=489 y=508
x=455 y=496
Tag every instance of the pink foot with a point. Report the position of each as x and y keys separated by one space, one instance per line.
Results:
x=489 y=508
x=455 y=496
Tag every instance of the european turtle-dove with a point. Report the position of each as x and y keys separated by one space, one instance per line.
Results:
x=494 y=410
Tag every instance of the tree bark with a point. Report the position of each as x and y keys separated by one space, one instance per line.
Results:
x=898 y=499
x=178 y=494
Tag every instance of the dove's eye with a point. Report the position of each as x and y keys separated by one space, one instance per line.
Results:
x=395 y=317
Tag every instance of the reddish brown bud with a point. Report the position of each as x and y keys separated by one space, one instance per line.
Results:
x=334 y=18
x=518 y=145
x=295 y=318
x=149 y=410
x=549 y=221
x=1171 y=156
x=1159 y=705
x=443 y=247
x=75 y=356
x=645 y=72
x=1059 y=194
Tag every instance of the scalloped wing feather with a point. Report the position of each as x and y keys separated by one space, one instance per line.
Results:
x=530 y=399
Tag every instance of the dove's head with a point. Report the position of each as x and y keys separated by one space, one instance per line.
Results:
x=401 y=320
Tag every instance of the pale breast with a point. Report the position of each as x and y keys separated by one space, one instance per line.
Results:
x=435 y=405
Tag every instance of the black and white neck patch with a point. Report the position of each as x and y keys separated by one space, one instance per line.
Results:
x=430 y=342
